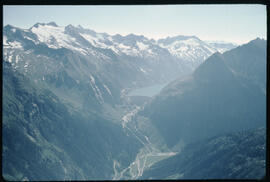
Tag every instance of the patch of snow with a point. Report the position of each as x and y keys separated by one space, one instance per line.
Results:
x=114 y=49
x=99 y=36
x=184 y=48
x=110 y=39
x=97 y=43
x=81 y=50
x=122 y=46
x=190 y=49
x=212 y=50
x=129 y=50
x=94 y=41
x=191 y=41
x=96 y=90
x=108 y=90
x=221 y=50
x=48 y=33
x=220 y=42
x=10 y=58
x=142 y=46
x=142 y=70
x=30 y=39
x=92 y=79
x=5 y=40
x=15 y=45
x=31 y=138
x=89 y=38
x=17 y=58
x=5 y=52
x=28 y=51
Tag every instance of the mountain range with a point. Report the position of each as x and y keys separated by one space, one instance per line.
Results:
x=84 y=41
x=82 y=63
x=68 y=115
x=225 y=93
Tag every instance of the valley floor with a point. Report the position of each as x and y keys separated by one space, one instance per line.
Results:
x=148 y=155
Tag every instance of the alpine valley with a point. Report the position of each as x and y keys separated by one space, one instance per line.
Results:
x=82 y=105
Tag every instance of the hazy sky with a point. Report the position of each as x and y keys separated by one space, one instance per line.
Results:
x=235 y=23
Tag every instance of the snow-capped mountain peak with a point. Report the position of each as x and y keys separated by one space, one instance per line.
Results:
x=42 y=24
x=222 y=46
x=86 y=41
x=189 y=48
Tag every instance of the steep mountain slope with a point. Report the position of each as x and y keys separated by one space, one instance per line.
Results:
x=212 y=101
x=239 y=155
x=80 y=65
x=42 y=140
x=248 y=62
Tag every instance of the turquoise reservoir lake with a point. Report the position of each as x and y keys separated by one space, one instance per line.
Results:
x=147 y=91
